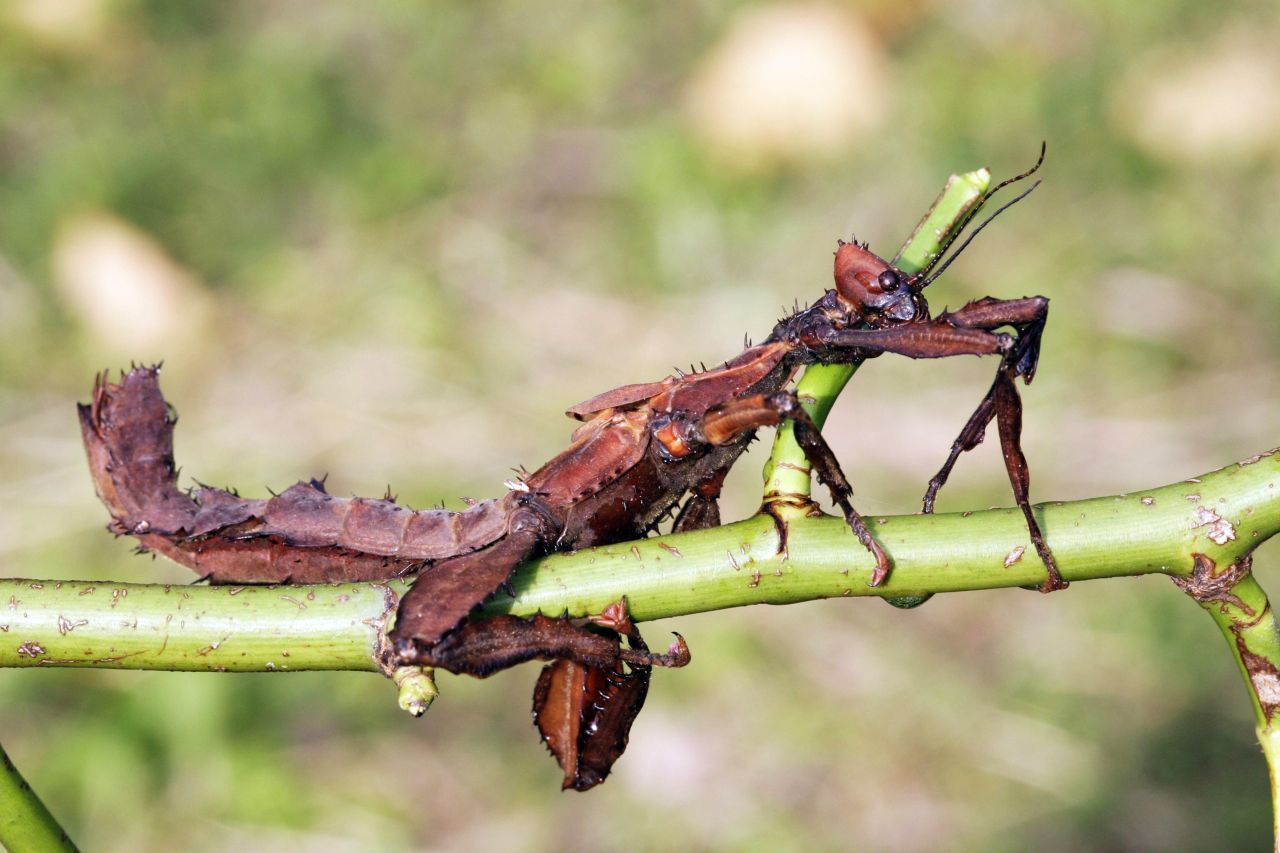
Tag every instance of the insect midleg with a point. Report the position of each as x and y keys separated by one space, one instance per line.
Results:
x=726 y=422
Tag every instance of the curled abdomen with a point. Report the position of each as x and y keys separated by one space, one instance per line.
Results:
x=302 y=534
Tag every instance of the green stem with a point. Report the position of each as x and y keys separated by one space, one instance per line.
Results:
x=130 y=626
x=193 y=628
x=787 y=481
x=26 y=825
x=1230 y=594
x=1270 y=740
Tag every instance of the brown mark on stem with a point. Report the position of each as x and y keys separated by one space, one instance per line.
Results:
x=1255 y=459
x=1206 y=584
x=779 y=524
x=384 y=653
x=1263 y=675
x=205 y=651
x=66 y=626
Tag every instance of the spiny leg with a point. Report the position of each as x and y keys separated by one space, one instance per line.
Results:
x=969 y=331
x=727 y=422
x=1027 y=316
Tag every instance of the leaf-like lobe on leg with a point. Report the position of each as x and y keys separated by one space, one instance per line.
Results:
x=584 y=713
x=445 y=593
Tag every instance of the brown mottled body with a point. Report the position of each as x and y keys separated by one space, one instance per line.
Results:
x=641 y=450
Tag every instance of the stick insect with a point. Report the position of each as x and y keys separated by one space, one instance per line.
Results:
x=642 y=453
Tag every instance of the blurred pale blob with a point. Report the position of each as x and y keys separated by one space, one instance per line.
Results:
x=1218 y=103
x=1144 y=304
x=126 y=290
x=64 y=24
x=788 y=82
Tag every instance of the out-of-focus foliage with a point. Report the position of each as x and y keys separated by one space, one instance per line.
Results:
x=392 y=241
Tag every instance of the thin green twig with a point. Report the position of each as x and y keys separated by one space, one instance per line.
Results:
x=26 y=825
x=787 y=481
x=1230 y=594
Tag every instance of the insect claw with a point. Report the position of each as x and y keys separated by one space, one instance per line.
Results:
x=678 y=652
x=883 y=565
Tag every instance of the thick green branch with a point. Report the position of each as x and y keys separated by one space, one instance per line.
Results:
x=1223 y=515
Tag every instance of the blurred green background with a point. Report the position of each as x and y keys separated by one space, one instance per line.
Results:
x=393 y=241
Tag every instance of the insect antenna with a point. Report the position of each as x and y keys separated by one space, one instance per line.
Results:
x=932 y=276
x=971 y=215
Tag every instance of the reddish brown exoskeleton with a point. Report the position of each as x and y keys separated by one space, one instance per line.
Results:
x=642 y=452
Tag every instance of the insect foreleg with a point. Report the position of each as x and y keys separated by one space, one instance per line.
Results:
x=970 y=437
x=1009 y=421
x=1027 y=317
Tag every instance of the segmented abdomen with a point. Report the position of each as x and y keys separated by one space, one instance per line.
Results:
x=302 y=534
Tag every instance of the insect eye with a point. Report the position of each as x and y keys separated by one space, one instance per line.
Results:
x=888 y=281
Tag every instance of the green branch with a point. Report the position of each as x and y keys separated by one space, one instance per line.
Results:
x=1222 y=515
x=1230 y=594
x=26 y=826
